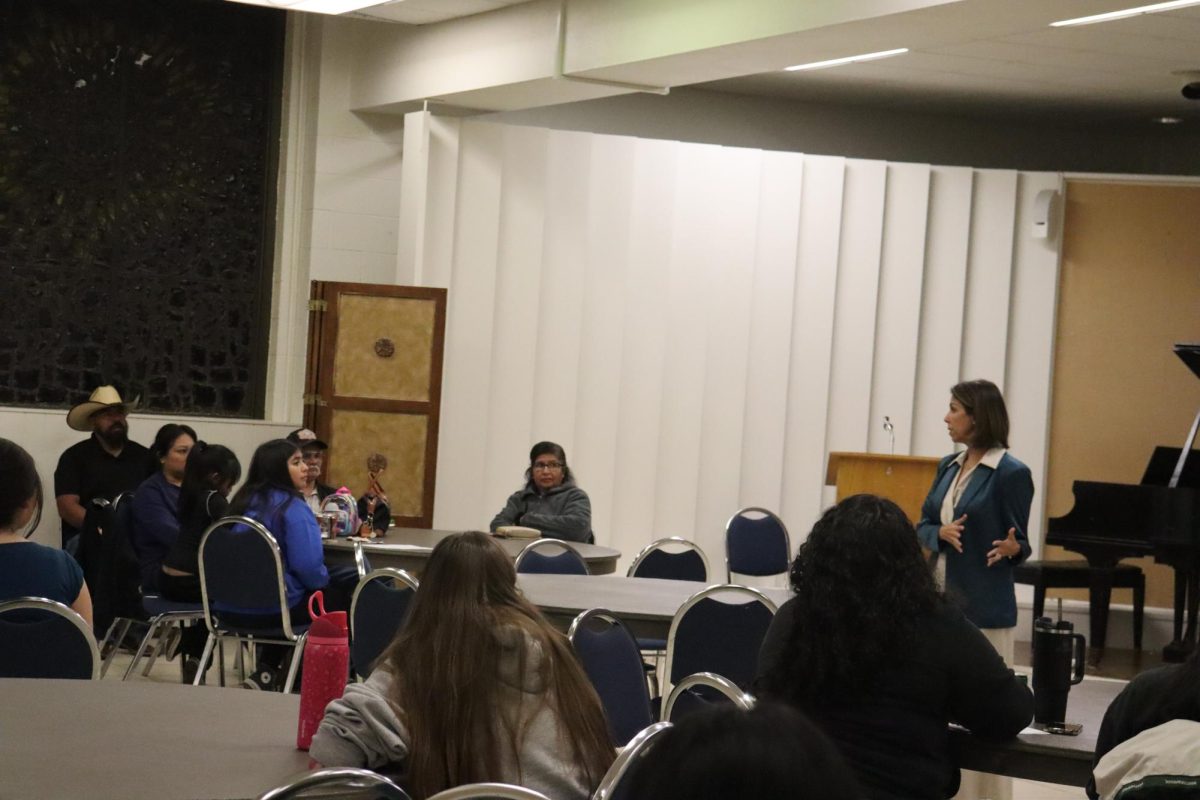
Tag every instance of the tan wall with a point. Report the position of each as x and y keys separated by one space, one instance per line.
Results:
x=1130 y=288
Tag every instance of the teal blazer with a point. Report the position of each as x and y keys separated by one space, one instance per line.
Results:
x=994 y=501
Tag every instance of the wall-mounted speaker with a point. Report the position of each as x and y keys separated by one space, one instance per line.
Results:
x=1043 y=213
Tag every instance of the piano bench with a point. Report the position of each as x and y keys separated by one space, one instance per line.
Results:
x=1043 y=575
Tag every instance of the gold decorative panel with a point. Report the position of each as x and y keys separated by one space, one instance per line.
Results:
x=400 y=437
x=384 y=347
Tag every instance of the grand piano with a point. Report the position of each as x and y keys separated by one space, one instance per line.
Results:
x=1159 y=517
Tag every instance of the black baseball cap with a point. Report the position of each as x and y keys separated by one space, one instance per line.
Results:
x=306 y=438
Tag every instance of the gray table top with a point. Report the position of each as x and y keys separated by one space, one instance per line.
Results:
x=649 y=599
x=125 y=741
x=420 y=542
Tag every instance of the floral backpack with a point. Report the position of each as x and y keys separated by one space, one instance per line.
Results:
x=341 y=509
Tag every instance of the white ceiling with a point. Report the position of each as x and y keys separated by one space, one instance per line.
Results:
x=424 y=12
x=972 y=56
x=1121 y=68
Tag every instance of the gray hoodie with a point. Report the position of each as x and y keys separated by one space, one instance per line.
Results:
x=564 y=512
x=362 y=730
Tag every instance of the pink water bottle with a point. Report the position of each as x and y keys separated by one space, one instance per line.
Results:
x=326 y=667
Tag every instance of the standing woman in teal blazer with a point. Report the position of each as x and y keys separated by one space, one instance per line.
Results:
x=976 y=521
x=976 y=516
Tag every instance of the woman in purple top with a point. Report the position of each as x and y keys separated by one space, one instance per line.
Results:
x=156 y=502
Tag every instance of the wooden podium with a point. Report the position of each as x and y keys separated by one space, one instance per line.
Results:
x=904 y=480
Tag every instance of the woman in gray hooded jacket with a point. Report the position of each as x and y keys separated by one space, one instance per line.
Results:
x=550 y=501
x=477 y=686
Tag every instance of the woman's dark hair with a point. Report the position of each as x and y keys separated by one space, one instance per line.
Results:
x=543 y=449
x=166 y=436
x=983 y=401
x=772 y=751
x=268 y=470
x=444 y=661
x=861 y=586
x=209 y=467
x=20 y=483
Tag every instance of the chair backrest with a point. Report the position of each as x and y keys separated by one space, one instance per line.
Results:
x=317 y=785
x=241 y=568
x=483 y=791
x=550 y=557
x=672 y=558
x=756 y=543
x=611 y=658
x=698 y=690
x=719 y=629
x=613 y=786
x=42 y=638
x=378 y=609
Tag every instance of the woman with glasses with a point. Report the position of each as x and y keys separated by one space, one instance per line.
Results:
x=550 y=501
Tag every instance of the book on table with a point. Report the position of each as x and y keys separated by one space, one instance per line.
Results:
x=518 y=532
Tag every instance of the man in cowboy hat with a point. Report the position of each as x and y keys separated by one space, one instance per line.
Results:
x=101 y=466
x=313 y=451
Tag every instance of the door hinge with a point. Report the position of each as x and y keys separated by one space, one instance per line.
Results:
x=318 y=305
x=313 y=400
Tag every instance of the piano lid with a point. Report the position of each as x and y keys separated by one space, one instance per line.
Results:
x=1162 y=464
x=1190 y=355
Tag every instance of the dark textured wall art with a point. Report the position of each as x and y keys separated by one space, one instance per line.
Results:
x=137 y=168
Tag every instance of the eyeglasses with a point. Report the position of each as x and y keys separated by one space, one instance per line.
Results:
x=550 y=465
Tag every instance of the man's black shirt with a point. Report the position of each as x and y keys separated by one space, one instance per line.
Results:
x=87 y=469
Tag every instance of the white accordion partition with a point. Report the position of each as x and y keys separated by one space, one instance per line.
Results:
x=699 y=326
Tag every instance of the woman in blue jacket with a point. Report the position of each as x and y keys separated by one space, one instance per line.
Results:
x=976 y=516
x=271 y=495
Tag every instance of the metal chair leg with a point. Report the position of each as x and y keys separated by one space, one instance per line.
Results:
x=205 y=657
x=297 y=654
x=113 y=643
x=147 y=641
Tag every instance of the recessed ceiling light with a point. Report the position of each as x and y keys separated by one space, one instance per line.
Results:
x=317 y=6
x=1168 y=120
x=1154 y=8
x=834 y=62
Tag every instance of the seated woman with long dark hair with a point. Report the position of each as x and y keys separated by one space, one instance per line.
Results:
x=211 y=472
x=873 y=654
x=477 y=686
x=156 y=502
x=271 y=495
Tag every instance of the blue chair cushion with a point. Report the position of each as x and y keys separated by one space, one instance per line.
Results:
x=685 y=566
x=720 y=637
x=565 y=563
x=756 y=546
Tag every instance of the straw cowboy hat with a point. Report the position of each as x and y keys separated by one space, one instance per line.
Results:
x=80 y=417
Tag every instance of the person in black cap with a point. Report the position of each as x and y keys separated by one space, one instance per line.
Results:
x=313 y=451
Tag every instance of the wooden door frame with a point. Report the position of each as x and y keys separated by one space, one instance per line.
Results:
x=320 y=400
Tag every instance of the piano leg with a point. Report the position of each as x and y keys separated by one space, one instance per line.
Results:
x=1187 y=601
x=1100 y=581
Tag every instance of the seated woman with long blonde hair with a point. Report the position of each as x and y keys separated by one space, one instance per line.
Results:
x=477 y=686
